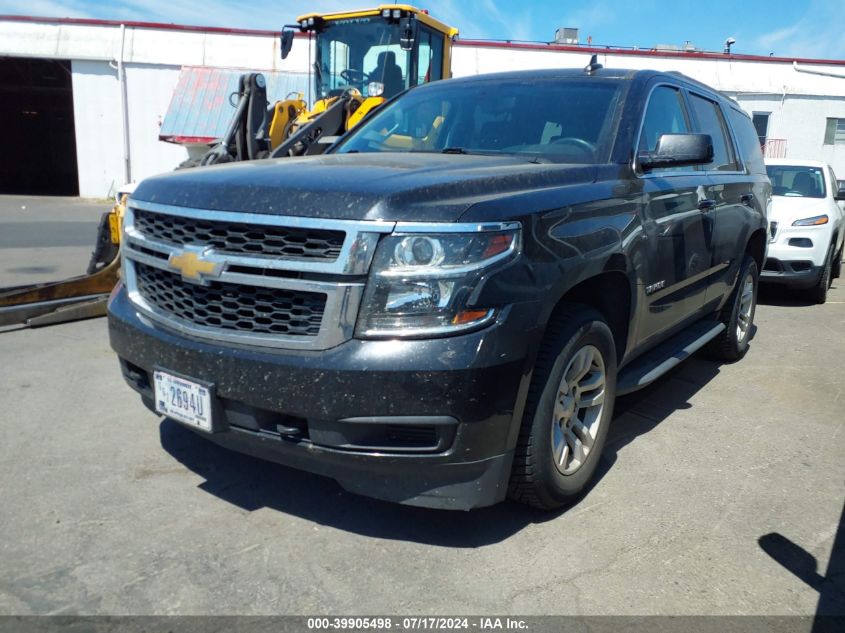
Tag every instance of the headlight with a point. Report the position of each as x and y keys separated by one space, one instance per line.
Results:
x=816 y=220
x=421 y=283
x=375 y=89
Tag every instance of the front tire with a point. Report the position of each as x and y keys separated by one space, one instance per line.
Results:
x=836 y=270
x=819 y=291
x=738 y=315
x=568 y=411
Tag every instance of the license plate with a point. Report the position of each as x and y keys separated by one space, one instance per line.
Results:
x=183 y=400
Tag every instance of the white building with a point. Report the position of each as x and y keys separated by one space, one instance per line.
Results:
x=115 y=82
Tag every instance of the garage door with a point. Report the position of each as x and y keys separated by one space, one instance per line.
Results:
x=39 y=146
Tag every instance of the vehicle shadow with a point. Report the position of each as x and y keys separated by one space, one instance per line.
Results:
x=251 y=484
x=830 y=611
x=785 y=297
x=641 y=411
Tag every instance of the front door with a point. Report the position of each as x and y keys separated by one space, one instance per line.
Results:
x=677 y=221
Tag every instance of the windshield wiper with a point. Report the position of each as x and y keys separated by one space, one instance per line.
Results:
x=532 y=158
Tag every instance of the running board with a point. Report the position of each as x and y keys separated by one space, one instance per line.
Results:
x=649 y=367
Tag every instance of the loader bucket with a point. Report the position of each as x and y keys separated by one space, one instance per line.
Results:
x=81 y=297
x=72 y=299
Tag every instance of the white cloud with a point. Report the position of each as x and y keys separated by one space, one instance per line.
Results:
x=817 y=34
x=775 y=38
x=44 y=8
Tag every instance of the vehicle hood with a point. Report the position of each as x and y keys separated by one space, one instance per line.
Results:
x=387 y=186
x=787 y=209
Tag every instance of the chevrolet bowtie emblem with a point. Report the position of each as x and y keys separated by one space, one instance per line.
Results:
x=193 y=267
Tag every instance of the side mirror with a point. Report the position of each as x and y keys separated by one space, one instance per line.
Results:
x=409 y=34
x=840 y=194
x=678 y=150
x=287 y=42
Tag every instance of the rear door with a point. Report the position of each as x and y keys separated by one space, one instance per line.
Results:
x=677 y=255
x=731 y=193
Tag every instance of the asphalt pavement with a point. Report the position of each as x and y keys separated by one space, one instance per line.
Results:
x=46 y=238
x=720 y=492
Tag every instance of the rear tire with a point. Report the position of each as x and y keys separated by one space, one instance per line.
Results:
x=738 y=316
x=819 y=291
x=568 y=411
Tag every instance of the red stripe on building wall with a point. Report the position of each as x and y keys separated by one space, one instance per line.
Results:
x=612 y=50
x=600 y=50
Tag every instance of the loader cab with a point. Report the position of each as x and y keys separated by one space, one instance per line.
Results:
x=379 y=52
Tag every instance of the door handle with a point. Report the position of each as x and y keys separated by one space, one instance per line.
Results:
x=707 y=204
x=747 y=198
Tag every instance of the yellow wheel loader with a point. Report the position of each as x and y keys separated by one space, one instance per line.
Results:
x=361 y=60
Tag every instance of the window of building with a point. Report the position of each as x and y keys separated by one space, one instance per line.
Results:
x=834 y=133
x=761 y=124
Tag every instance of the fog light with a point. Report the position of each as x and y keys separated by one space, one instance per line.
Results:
x=801 y=242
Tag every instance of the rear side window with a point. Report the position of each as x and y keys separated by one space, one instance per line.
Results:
x=749 y=143
x=665 y=114
x=710 y=121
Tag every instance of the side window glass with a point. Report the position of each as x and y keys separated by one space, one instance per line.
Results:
x=710 y=120
x=747 y=140
x=437 y=43
x=665 y=115
x=430 y=64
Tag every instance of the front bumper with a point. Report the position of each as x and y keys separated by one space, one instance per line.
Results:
x=426 y=422
x=791 y=273
x=796 y=256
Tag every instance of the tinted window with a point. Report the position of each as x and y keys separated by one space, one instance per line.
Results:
x=430 y=65
x=746 y=137
x=665 y=115
x=572 y=122
x=795 y=181
x=710 y=121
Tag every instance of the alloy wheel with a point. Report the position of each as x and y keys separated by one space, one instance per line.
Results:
x=578 y=409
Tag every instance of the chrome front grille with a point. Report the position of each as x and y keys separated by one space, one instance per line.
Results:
x=234 y=307
x=291 y=282
x=241 y=238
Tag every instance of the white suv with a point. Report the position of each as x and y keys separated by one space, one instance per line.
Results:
x=806 y=226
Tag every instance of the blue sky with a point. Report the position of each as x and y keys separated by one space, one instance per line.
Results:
x=801 y=28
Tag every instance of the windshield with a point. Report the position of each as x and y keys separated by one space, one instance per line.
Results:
x=561 y=120
x=354 y=52
x=795 y=181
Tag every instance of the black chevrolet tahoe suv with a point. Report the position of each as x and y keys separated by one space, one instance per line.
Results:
x=441 y=309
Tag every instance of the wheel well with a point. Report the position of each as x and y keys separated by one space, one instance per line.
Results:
x=756 y=247
x=610 y=294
